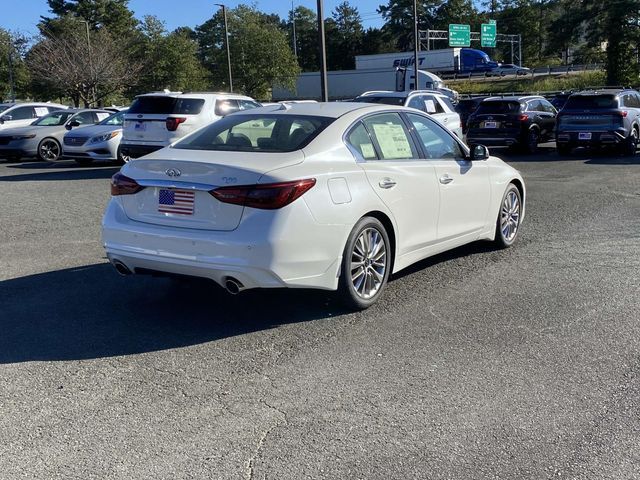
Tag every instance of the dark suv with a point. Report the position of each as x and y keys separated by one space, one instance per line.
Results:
x=512 y=121
x=601 y=117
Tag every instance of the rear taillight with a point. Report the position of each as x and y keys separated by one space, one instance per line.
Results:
x=622 y=113
x=523 y=117
x=123 y=185
x=269 y=196
x=173 y=123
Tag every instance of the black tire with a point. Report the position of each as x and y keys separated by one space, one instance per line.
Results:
x=564 y=150
x=507 y=216
x=84 y=162
x=530 y=144
x=122 y=158
x=355 y=293
x=631 y=144
x=49 y=150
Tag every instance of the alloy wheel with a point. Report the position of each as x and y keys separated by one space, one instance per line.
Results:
x=49 y=150
x=510 y=216
x=368 y=263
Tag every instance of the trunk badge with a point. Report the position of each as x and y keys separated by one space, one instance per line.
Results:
x=173 y=172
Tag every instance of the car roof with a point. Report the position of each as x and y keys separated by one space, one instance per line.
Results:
x=31 y=104
x=196 y=95
x=513 y=98
x=320 y=109
x=393 y=94
x=604 y=91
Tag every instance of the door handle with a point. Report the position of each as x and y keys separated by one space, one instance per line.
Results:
x=445 y=179
x=387 y=183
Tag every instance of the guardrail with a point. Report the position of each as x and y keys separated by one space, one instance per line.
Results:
x=534 y=71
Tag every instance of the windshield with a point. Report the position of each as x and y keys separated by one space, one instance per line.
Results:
x=385 y=100
x=257 y=133
x=52 y=119
x=498 y=107
x=115 y=119
x=162 y=105
x=588 y=102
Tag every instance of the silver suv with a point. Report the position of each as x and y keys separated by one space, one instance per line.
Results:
x=156 y=120
x=433 y=102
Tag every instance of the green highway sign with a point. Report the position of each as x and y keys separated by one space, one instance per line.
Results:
x=459 y=35
x=488 y=34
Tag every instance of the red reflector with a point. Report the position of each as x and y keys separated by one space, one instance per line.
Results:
x=173 y=122
x=123 y=185
x=523 y=117
x=623 y=113
x=269 y=196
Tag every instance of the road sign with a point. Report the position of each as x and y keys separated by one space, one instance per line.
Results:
x=488 y=33
x=459 y=35
x=492 y=22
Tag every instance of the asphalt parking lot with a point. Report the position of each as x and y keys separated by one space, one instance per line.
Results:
x=479 y=363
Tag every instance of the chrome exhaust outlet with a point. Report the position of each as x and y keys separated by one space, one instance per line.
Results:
x=233 y=286
x=121 y=268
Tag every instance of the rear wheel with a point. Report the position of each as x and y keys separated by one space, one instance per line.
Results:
x=49 y=150
x=531 y=142
x=366 y=264
x=509 y=217
x=631 y=145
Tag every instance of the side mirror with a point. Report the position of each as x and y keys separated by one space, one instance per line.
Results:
x=5 y=118
x=479 y=152
x=72 y=124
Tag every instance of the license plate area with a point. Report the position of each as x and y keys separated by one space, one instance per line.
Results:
x=584 y=136
x=175 y=201
x=140 y=127
x=490 y=125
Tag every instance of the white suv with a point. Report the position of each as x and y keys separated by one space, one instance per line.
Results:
x=433 y=102
x=156 y=120
x=23 y=114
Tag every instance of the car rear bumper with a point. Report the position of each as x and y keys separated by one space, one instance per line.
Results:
x=137 y=151
x=260 y=253
x=609 y=137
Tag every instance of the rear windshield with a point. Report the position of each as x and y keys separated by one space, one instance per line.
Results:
x=587 y=102
x=162 y=105
x=498 y=107
x=386 y=100
x=466 y=106
x=257 y=133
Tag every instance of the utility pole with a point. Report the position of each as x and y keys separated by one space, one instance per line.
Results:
x=89 y=57
x=324 y=91
x=226 y=41
x=12 y=92
x=293 y=23
x=415 y=43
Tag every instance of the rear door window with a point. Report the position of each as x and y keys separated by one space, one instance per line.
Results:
x=85 y=118
x=391 y=136
x=247 y=104
x=22 y=113
x=226 y=107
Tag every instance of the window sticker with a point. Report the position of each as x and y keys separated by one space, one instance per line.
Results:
x=393 y=141
x=101 y=116
x=430 y=106
x=41 y=111
x=367 y=151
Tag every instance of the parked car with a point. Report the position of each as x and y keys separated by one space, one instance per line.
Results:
x=22 y=114
x=96 y=142
x=508 y=69
x=43 y=138
x=465 y=108
x=156 y=120
x=559 y=100
x=334 y=196
x=513 y=121
x=601 y=117
x=432 y=102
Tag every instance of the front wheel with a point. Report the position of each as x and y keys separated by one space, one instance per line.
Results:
x=509 y=217
x=631 y=145
x=49 y=150
x=531 y=145
x=366 y=264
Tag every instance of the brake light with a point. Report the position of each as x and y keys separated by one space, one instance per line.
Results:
x=623 y=113
x=523 y=117
x=173 y=123
x=269 y=196
x=123 y=185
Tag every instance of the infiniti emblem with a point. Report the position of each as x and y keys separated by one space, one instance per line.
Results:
x=173 y=172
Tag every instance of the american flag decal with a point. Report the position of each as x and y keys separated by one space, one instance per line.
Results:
x=176 y=201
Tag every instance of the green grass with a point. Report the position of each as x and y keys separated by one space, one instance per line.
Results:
x=551 y=83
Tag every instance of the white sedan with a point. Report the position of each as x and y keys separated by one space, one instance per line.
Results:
x=335 y=196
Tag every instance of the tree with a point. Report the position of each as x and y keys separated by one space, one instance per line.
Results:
x=13 y=71
x=344 y=35
x=114 y=15
x=261 y=56
x=169 y=60
x=87 y=73
x=398 y=16
x=306 y=22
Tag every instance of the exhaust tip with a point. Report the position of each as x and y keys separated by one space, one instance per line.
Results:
x=233 y=286
x=121 y=268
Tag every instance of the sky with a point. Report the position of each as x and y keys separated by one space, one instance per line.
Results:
x=23 y=15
